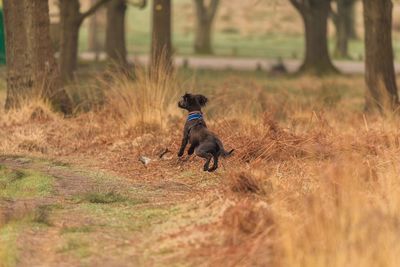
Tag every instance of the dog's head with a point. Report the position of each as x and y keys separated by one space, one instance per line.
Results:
x=192 y=102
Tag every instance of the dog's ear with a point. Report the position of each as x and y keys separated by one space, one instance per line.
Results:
x=202 y=100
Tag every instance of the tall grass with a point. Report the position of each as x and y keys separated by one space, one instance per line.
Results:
x=32 y=110
x=146 y=102
x=349 y=218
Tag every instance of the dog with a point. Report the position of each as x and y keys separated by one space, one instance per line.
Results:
x=203 y=142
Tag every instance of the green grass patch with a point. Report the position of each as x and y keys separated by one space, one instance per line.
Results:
x=15 y=184
x=101 y=197
x=126 y=217
x=76 y=246
x=105 y=198
x=8 y=243
x=121 y=219
x=59 y=163
x=11 y=231
x=77 y=229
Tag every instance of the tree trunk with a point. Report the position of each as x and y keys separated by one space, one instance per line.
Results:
x=70 y=24
x=18 y=71
x=32 y=69
x=379 y=62
x=93 y=36
x=340 y=22
x=344 y=23
x=205 y=17
x=202 y=43
x=315 y=17
x=351 y=22
x=71 y=20
x=115 y=32
x=161 y=47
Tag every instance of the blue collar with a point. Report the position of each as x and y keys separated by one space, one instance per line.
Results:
x=195 y=116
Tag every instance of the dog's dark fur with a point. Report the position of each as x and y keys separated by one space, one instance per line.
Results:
x=203 y=142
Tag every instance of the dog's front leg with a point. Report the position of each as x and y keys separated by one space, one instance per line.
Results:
x=185 y=141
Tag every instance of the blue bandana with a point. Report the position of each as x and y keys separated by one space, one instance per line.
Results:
x=194 y=116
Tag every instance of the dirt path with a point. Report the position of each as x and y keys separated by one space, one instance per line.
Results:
x=240 y=63
x=94 y=219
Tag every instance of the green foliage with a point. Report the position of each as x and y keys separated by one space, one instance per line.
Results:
x=104 y=198
x=15 y=184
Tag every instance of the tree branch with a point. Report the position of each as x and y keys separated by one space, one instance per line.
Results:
x=212 y=9
x=297 y=4
x=201 y=11
x=92 y=9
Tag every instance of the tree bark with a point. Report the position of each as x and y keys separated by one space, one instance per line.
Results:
x=161 y=47
x=32 y=68
x=344 y=23
x=70 y=20
x=70 y=23
x=205 y=17
x=115 y=32
x=202 y=43
x=18 y=71
x=351 y=22
x=93 y=29
x=379 y=61
x=315 y=17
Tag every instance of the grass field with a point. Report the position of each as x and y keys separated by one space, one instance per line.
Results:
x=264 y=29
x=313 y=180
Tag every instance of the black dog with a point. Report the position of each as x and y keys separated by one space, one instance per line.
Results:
x=203 y=142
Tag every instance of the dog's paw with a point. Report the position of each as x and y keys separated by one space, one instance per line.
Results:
x=180 y=154
x=212 y=169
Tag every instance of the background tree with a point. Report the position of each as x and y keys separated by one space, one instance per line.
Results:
x=204 y=19
x=115 y=30
x=343 y=20
x=71 y=19
x=315 y=17
x=351 y=22
x=31 y=65
x=95 y=25
x=379 y=62
x=161 y=47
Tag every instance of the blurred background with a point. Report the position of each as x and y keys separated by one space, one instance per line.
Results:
x=255 y=28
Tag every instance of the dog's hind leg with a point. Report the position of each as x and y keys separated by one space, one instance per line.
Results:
x=215 y=165
x=191 y=149
x=203 y=154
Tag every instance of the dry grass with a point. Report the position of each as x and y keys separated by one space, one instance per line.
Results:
x=314 y=181
x=145 y=103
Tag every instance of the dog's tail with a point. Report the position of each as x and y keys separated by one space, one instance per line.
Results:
x=226 y=154
x=222 y=151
